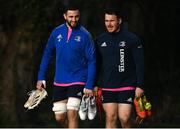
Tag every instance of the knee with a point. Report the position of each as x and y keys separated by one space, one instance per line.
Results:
x=111 y=120
x=125 y=117
x=60 y=118
x=72 y=108
x=125 y=121
x=111 y=117
x=72 y=114
x=60 y=110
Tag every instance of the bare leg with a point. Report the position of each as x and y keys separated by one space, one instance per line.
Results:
x=111 y=110
x=124 y=113
x=72 y=118
x=60 y=116
x=61 y=119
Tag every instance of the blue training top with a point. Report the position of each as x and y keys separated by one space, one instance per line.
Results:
x=75 y=58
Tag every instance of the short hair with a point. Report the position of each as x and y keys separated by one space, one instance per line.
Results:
x=113 y=12
x=71 y=6
x=113 y=8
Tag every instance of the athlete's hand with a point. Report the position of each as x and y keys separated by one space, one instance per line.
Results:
x=95 y=90
x=139 y=92
x=40 y=84
x=88 y=92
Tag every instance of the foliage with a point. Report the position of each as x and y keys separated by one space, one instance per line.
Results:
x=25 y=26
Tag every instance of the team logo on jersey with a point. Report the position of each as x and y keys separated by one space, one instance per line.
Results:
x=122 y=44
x=59 y=37
x=121 y=66
x=77 y=38
x=103 y=44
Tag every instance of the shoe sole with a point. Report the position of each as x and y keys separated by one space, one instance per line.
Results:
x=36 y=102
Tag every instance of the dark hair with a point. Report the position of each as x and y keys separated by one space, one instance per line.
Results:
x=71 y=6
x=113 y=7
x=113 y=12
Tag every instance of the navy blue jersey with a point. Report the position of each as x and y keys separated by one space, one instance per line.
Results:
x=120 y=60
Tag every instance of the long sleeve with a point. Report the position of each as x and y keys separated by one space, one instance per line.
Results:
x=47 y=55
x=139 y=62
x=91 y=57
x=98 y=64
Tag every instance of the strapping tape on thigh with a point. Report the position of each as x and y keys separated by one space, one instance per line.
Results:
x=73 y=103
x=59 y=107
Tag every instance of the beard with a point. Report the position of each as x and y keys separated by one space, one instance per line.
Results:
x=69 y=24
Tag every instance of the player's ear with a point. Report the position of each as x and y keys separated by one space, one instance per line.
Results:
x=64 y=16
x=120 y=21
